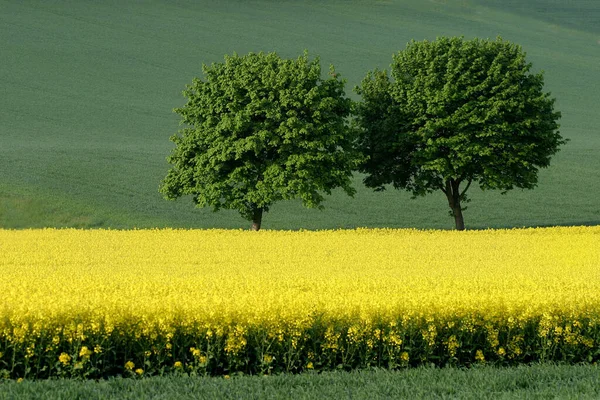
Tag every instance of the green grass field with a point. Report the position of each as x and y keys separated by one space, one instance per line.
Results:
x=88 y=90
x=544 y=381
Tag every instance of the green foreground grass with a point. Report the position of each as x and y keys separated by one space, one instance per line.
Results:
x=536 y=381
x=89 y=87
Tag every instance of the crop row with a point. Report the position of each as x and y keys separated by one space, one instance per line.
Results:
x=103 y=303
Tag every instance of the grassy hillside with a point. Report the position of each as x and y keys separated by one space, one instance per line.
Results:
x=581 y=14
x=88 y=90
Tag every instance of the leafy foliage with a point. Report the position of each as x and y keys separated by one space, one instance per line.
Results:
x=260 y=129
x=456 y=111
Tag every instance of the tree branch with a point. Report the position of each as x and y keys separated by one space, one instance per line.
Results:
x=465 y=189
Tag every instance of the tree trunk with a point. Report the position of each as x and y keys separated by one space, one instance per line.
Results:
x=458 y=218
x=452 y=192
x=257 y=219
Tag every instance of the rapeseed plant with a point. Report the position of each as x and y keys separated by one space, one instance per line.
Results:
x=95 y=303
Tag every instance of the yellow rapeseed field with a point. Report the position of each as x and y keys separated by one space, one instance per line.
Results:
x=218 y=301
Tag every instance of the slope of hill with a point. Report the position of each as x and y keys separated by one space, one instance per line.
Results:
x=88 y=90
x=583 y=15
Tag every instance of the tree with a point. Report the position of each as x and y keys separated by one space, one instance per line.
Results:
x=453 y=113
x=259 y=129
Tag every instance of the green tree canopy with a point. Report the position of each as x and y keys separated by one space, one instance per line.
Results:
x=259 y=129
x=456 y=112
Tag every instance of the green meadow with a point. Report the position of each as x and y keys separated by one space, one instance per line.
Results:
x=88 y=90
x=540 y=381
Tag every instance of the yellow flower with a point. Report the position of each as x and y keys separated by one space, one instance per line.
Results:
x=479 y=356
x=19 y=380
x=453 y=345
x=226 y=376
x=97 y=349
x=85 y=352
x=310 y=365
x=129 y=365
x=178 y=364
x=139 y=371
x=64 y=358
x=543 y=279
x=404 y=356
x=267 y=359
